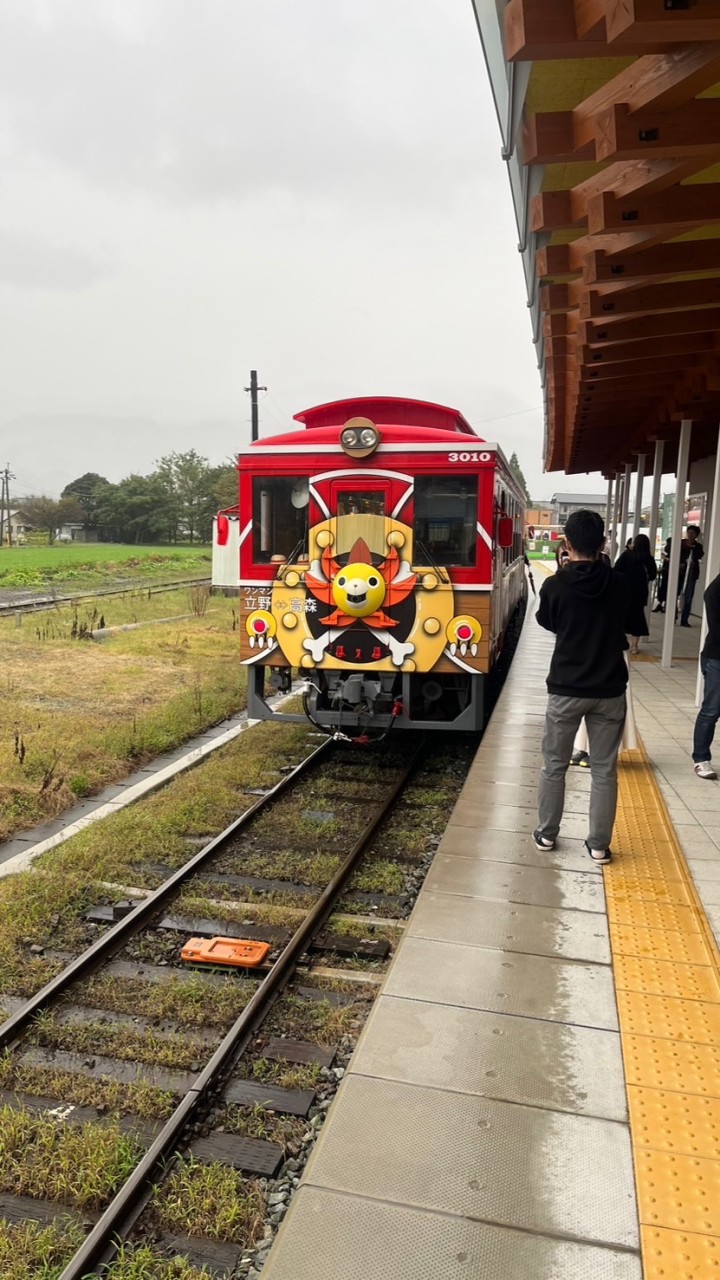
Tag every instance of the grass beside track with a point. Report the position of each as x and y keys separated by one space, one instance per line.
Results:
x=76 y=715
x=81 y=566
x=44 y=906
x=29 y=1251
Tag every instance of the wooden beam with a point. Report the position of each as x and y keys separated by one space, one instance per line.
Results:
x=553 y=261
x=538 y=30
x=554 y=297
x=661 y=21
x=661 y=325
x=618 y=355
x=653 y=297
x=554 y=325
x=598 y=376
x=548 y=138
x=645 y=384
x=663 y=260
x=681 y=207
x=590 y=19
x=693 y=129
x=662 y=81
x=552 y=211
x=632 y=178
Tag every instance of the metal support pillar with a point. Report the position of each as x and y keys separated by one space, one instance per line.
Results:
x=639 y=493
x=625 y=507
x=608 y=507
x=712 y=559
x=655 y=500
x=616 y=513
x=678 y=517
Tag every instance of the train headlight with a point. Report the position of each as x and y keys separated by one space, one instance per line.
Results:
x=359 y=437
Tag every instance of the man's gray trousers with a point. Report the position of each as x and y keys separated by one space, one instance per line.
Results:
x=604 y=719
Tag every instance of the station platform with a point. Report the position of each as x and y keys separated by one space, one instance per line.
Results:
x=536 y=1095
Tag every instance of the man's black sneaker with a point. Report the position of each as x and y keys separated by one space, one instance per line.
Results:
x=543 y=842
x=581 y=759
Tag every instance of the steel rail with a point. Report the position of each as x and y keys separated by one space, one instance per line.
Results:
x=117 y=1221
x=42 y=604
x=117 y=936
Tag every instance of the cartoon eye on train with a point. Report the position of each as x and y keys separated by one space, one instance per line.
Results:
x=378 y=555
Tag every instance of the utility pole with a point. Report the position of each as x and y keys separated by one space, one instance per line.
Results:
x=253 y=389
x=7 y=476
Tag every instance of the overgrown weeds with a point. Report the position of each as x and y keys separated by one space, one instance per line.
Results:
x=80 y=1166
x=210 y=1200
x=31 y=1251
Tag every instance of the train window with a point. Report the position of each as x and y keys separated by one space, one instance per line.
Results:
x=280 y=517
x=351 y=502
x=446 y=519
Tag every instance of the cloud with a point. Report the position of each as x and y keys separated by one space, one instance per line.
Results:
x=226 y=99
x=28 y=263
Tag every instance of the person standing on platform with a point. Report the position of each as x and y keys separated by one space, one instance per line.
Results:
x=691 y=553
x=639 y=570
x=662 y=589
x=709 y=713
x=585 y=607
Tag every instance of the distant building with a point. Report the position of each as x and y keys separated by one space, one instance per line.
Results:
x=19 y=527
x=70 y=532
x=564 y=503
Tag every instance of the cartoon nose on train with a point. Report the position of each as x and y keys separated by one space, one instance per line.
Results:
x=358 y=590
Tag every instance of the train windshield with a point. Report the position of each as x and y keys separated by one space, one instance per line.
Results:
x=446 y=519
x=351 y=502
x=280 y=524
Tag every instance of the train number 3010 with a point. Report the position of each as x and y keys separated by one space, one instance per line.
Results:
x=469 y=457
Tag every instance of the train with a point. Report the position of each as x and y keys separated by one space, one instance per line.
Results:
x=378 y=553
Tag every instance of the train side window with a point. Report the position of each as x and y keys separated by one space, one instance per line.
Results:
x=280 y=517
x=446 y=510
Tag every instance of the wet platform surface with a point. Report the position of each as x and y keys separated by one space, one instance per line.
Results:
x=535 y=1007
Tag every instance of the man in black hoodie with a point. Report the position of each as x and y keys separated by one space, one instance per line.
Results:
x=709 y=713
x=585 y=606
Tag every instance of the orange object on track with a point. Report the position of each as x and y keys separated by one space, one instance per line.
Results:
x=227 y=951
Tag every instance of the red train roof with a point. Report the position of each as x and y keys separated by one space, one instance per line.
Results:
x=387 y=411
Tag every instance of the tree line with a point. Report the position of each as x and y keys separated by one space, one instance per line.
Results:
x=175 y=503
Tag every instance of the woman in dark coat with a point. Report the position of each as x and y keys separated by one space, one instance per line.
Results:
x=639 y=570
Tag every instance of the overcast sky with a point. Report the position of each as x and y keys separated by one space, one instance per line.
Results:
x=195 y=188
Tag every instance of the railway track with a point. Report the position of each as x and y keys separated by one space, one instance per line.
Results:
x=39 y=604
x=139 y=943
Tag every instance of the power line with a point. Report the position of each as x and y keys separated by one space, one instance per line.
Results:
x=516 y=413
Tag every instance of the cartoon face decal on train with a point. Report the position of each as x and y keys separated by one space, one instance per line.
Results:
x=359 y=602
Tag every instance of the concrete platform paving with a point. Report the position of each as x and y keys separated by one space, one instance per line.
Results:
x=482 y=1127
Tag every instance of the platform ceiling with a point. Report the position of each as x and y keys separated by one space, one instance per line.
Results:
x=619 y=149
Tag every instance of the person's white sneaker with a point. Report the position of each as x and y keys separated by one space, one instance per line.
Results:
x=704 y=769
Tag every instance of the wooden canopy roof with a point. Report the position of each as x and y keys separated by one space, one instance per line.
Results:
x=610 y=112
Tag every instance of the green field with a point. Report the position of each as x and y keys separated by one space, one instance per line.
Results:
x=95 y=564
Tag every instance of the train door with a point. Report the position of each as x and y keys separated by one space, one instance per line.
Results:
x=358 y=508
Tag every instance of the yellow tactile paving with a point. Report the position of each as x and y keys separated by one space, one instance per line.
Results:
x=667 y=975
x=653 y=915
x=677 y=1255
x=661 y=944
x=667 y=978
x=649 y=889
x=680 y=1192
x=696 y=1021
x=672 y=1064
x=678 y=1122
